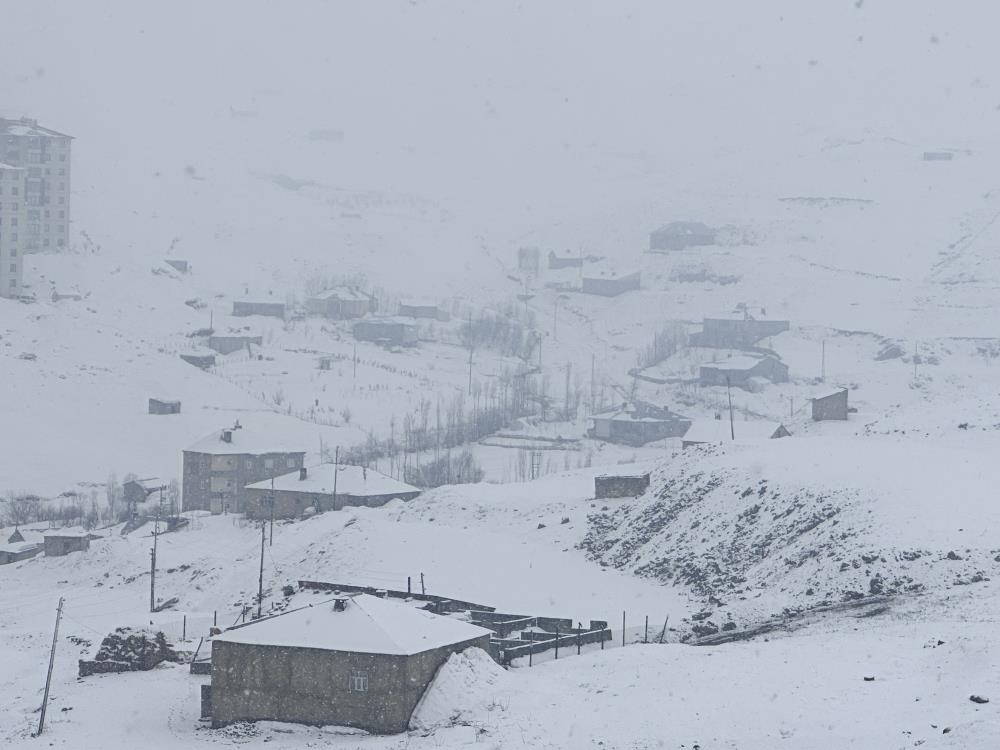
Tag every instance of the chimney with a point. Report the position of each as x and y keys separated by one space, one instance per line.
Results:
x=303 y=473
x=227 y=436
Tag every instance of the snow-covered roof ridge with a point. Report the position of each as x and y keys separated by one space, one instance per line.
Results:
x=350 y=480
x=243 y=440
x=833 y=390
x=365 y=624
x=67 y=532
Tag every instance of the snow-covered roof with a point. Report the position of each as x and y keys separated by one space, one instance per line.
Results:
x=366 y=624
x=351 y=480
x=342 y=292
x=25 y=126
x=738 y=362
x=827 y=393
x=75 y=532
x=685 y=228
x=718 y=431
x=4 y=165
x=248 y=440
x=15 y=548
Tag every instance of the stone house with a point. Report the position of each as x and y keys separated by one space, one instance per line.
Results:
x=164 y=406
x=324 y=487
x=13 y=552
x=568 y=261
x=736 y=332
x=637 y=424
x=743 y=371
x=340 y=303
x=425 y=310
x=219 y=466
x=357 y=661
x=830 y=405
x=59 y=542
x=611 y=283
x=230 y=344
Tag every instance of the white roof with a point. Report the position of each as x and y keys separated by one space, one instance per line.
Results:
x=737 y=362
x=71 y=532
x=827 y=393
x=3 y=165
x=342 y=292
x=18 y=547
x=351 y=480
x=247 y=441
x=718 y=431
x=367 y=625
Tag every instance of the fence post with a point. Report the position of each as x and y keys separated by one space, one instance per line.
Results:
x=184 y=629
x=623 y=627
x=409 y=585
x=557 y=642
x=578 y=641
x=531 y=651
x=645 y=636
x=215 y=619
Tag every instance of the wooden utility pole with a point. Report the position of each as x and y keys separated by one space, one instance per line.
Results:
x=355 y=364
x=270 y=538
x=260 y=581
x=822 y=372
x=470 y=369
x=423 y=589
x=52 y=661
x=732 y=428
x=336 y=470
x=152 y=558
x=555 y=321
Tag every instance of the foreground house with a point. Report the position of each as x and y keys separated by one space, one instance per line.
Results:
x=714 y=431
x=324 y=487
x=620 y=485
x=830 y=405
x=13 y=552
x=637 y=424
x=743 y=371
x=219 y=466
x=59 y=542
x=357 y=661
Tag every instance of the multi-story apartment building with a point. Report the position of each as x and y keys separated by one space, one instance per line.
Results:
x=45 y=156
x=12 y=215
x=218 y=468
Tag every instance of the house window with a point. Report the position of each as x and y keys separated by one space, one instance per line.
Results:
x=268 y=463
x=359 y=681
x=290 y=463
x=13 y=267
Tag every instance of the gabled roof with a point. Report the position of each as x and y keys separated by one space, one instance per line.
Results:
x=737 y=363
x=351 y=480
x=27 y=126
x=16 y=548
x=827 y=393
x=366 y=625
x=684 y=228
x=343 y=293
x=718 y=431
x=75 y=532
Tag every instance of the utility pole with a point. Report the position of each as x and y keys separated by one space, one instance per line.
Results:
x=355 y=366
x=732 y=428
x=270 y=538
x=336 y=471
x=152 y=557
x=52 y=661
x=555 y=310
x=470 y=369
x=593 y=372
x=822 y=375
x=260 y=581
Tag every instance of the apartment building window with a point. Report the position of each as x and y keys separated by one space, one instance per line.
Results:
x=13 y=252
x=34 y=157
x=290 y=463
x=268 y=463
x=14 y=191
x=62 y=201
x=13 y=283
x=13 y=267
x=62 y=171
x=13 y=221
x=62 y=214
x=35 y=172
x=62 y=157
x=60 y=243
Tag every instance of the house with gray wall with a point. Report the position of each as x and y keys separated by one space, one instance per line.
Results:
x=611 y=283
x=736 y=332
x=387 y=331
x=636 y=424
x=244 y=308
x=356 y=661
x=230 y=344
x=680 y=235
x=830 y=405
x=59 y=542
x=340 y=303
x=744 y=371
x=620 y=485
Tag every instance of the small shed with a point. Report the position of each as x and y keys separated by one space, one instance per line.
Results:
x=59 y=542
x=620 y=485
x=242 y=308
x=637 y=424
x=557 y=262
x=201 y=360
x=680 y=235
x=324 y=487
x=357 y=661
x=13 y=552
x=740 y=331
x=611 y=283
x=830 y=405
x=164 y=406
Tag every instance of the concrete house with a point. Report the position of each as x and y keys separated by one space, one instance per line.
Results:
x=611 y=283
x=324 y=487
x=230 y=344
x=17 y=551
x=569 y=261
x=743 y=371
x=830 y=405
x=357 y=661
x=340 y=303
x=59 y=542
x=242 y=309
x=620 y=485
x=425 y=310
x=736 y=332
x=680 y=235
x=13 y=214
x=714 y=431
x=387 y=331
x=164 y=406
x=637 y=424
x=219 y=466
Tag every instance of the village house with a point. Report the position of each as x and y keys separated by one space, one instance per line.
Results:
x=741 y=331
x=743 y=371
x=610 y=283
x=637 y=424
x=680 y=235
x=620 y=485
x=164 y=406
x=219 y=466
x=230 y=344
x=340 y=303
x=59 y=542
x=202 y=359
x=830 y=405
x=357 y=661
x=324 y=487
x=714 y=431
x=569 y=261
x=426 y=310
x=242 y=308
x=13 y=552
x=387 y=331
